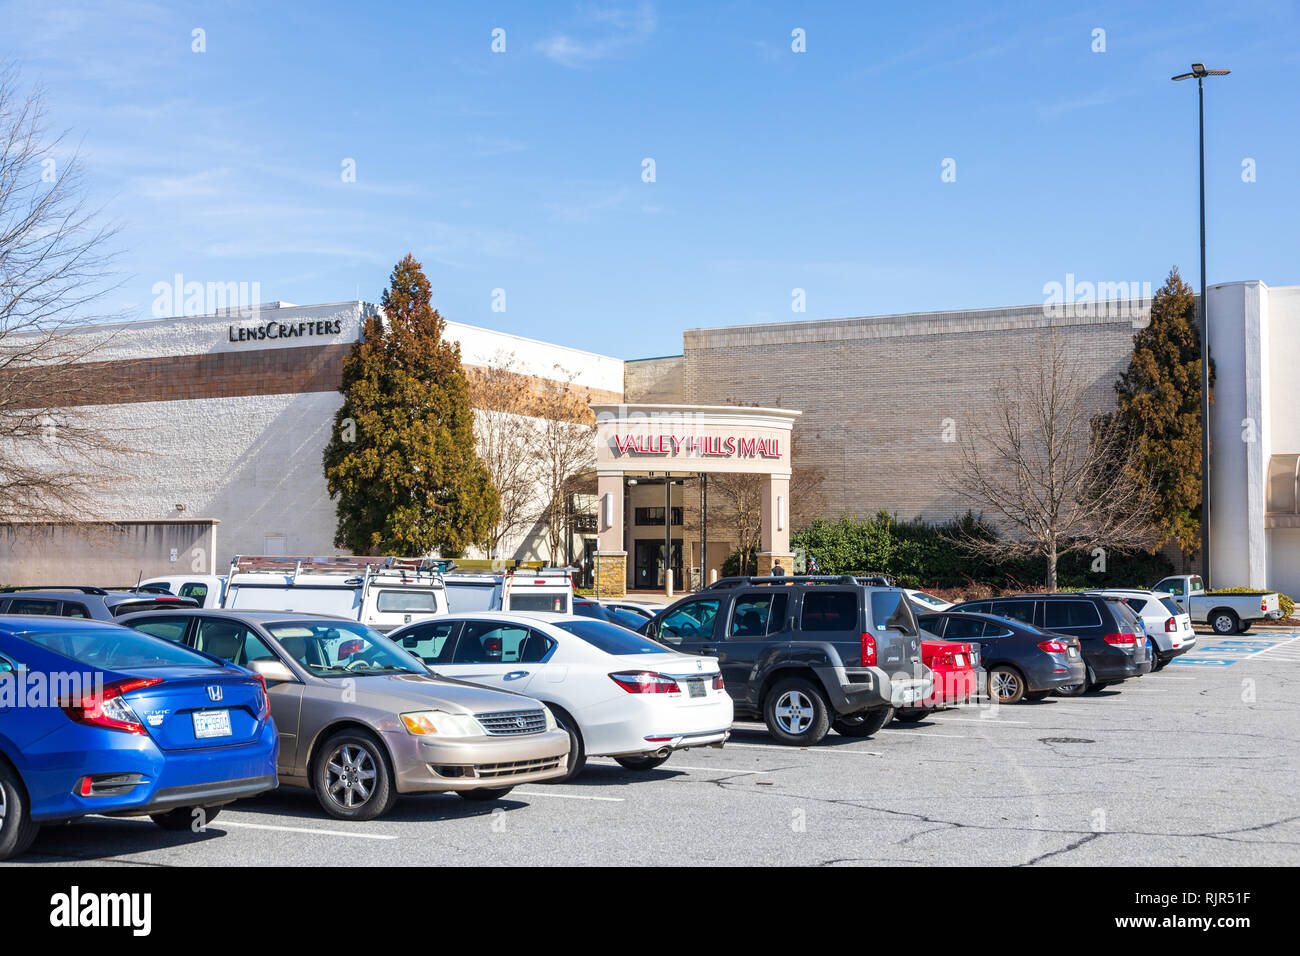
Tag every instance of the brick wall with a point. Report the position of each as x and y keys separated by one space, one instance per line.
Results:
x=875 y=392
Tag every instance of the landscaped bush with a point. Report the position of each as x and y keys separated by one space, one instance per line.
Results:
x=930 y=556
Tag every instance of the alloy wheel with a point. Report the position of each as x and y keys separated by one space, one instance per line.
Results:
x=794 y=712
x=350 y=775
x=1005 y=685
x=3 y=805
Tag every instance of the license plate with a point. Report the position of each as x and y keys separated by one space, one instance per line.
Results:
x=1074 y=653
x=960 y=659
x=211 y=723
x=695 y=688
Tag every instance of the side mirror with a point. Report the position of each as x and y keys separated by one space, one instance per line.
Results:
x=273 y=672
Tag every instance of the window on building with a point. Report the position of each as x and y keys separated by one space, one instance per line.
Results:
x=653 y=516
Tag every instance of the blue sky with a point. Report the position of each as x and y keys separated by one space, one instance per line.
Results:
x=774 y=170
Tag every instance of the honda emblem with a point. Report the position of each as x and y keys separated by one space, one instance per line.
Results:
x=214 y=692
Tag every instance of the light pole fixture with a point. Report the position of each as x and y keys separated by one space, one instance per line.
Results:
x=1200 y=72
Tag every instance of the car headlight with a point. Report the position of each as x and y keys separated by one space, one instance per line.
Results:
x=550 y=718
x=425 y=722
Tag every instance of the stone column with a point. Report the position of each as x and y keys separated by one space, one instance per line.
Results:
x=774 y=550
x=611 y=554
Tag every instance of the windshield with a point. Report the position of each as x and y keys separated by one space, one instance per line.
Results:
x=611 y=638
x=928 y=599
x=342 y=648
x=116 y=648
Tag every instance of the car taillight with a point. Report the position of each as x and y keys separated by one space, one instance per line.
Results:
x=1171 y=624
x=645 y=682
x=1121 y=638
x=868 y=650
x=947 y=660
x=264 y=700
x=1054 y=647
x=1263 y=604
x=718 y=682
x=107 y=709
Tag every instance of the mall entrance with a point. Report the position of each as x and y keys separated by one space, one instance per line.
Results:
x=652 y=461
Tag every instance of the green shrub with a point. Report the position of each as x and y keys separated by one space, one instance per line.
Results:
x=928 y=555
x=732 y=566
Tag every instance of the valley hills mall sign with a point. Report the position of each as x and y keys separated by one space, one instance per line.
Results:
x=685 y=438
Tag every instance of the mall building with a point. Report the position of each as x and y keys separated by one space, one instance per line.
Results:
x=234 y=410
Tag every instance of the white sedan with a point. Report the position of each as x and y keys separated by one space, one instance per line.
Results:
x=617 y=693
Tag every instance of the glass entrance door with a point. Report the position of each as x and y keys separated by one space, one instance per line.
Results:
x=648 y=565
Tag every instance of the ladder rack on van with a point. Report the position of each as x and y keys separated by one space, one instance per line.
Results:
x=543 y=576
x=364 y=566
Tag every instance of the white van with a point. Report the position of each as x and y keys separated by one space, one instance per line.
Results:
x=548 y=589
x=383 y=593
x=208 y=589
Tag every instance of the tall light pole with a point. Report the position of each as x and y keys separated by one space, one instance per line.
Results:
x=1200 y=72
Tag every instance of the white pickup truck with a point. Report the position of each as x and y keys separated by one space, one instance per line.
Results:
x=1225 y=613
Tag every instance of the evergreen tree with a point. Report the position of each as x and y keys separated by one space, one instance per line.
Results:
x=1159 y=406
x=402 y=460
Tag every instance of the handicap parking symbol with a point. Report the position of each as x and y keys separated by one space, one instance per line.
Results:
x=1204 y=661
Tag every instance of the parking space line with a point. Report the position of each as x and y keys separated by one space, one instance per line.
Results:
x=679 y=766
x=980 y=720
x=810 y=750
x=309 y=830
x=567 y=796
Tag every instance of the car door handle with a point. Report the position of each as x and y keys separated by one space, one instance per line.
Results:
x=515 y=675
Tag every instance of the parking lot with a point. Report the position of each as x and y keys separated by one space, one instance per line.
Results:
x=1197 y=764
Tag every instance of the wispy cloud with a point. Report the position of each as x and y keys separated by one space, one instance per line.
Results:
x=605 y=32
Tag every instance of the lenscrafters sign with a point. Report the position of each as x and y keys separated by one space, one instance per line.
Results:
x=284 y=330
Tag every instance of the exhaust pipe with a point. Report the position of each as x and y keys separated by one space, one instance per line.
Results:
x=663 y=751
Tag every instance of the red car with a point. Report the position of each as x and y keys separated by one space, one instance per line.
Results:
x=953 y=665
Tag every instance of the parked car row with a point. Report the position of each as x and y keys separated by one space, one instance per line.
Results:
x=183 y=703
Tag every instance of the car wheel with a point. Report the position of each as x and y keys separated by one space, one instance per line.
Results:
x=1006 y=686
x=1243 y=627
x=904 y=715
x=1225 y=622
x=352 y=778
x=17 y=829
x=577 y=751
x=1036 y=694
x=185 y=818
x=866 y=723
x=641 y=763
x=796 y=713
x=484 y=793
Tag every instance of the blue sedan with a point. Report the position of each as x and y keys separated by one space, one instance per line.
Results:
x=101 y=719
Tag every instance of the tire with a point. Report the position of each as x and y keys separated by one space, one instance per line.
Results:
x=866 y=723
x=577 y=750
x=1005 y=685
x=1244 y=626
x=647 y=762
x=1071 y=690
x=184 y=818
x=17 y=829
x=484 y=793
x=352 y=778
x=1224 y=621
x=1037 y=694
x=796 y=713
x=906 y=715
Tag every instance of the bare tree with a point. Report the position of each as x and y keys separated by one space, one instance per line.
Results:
x=740 y=505
x=503 y=401
x=563 y=449
x=53 y=269
x=1050 y=482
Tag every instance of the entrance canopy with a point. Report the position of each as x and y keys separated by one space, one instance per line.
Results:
x=686 y=440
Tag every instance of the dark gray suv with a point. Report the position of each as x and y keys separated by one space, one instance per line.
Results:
x=96 y=604
x=804 y=653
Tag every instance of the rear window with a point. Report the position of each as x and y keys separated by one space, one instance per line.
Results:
x=890 y=611
x=923 y=598
x=400 y=601
x=115 y=648
x=829 y=611
x=611 y=638
x=523 y=601
x=1170 y=605
x=128 y=607
x=473 y=597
